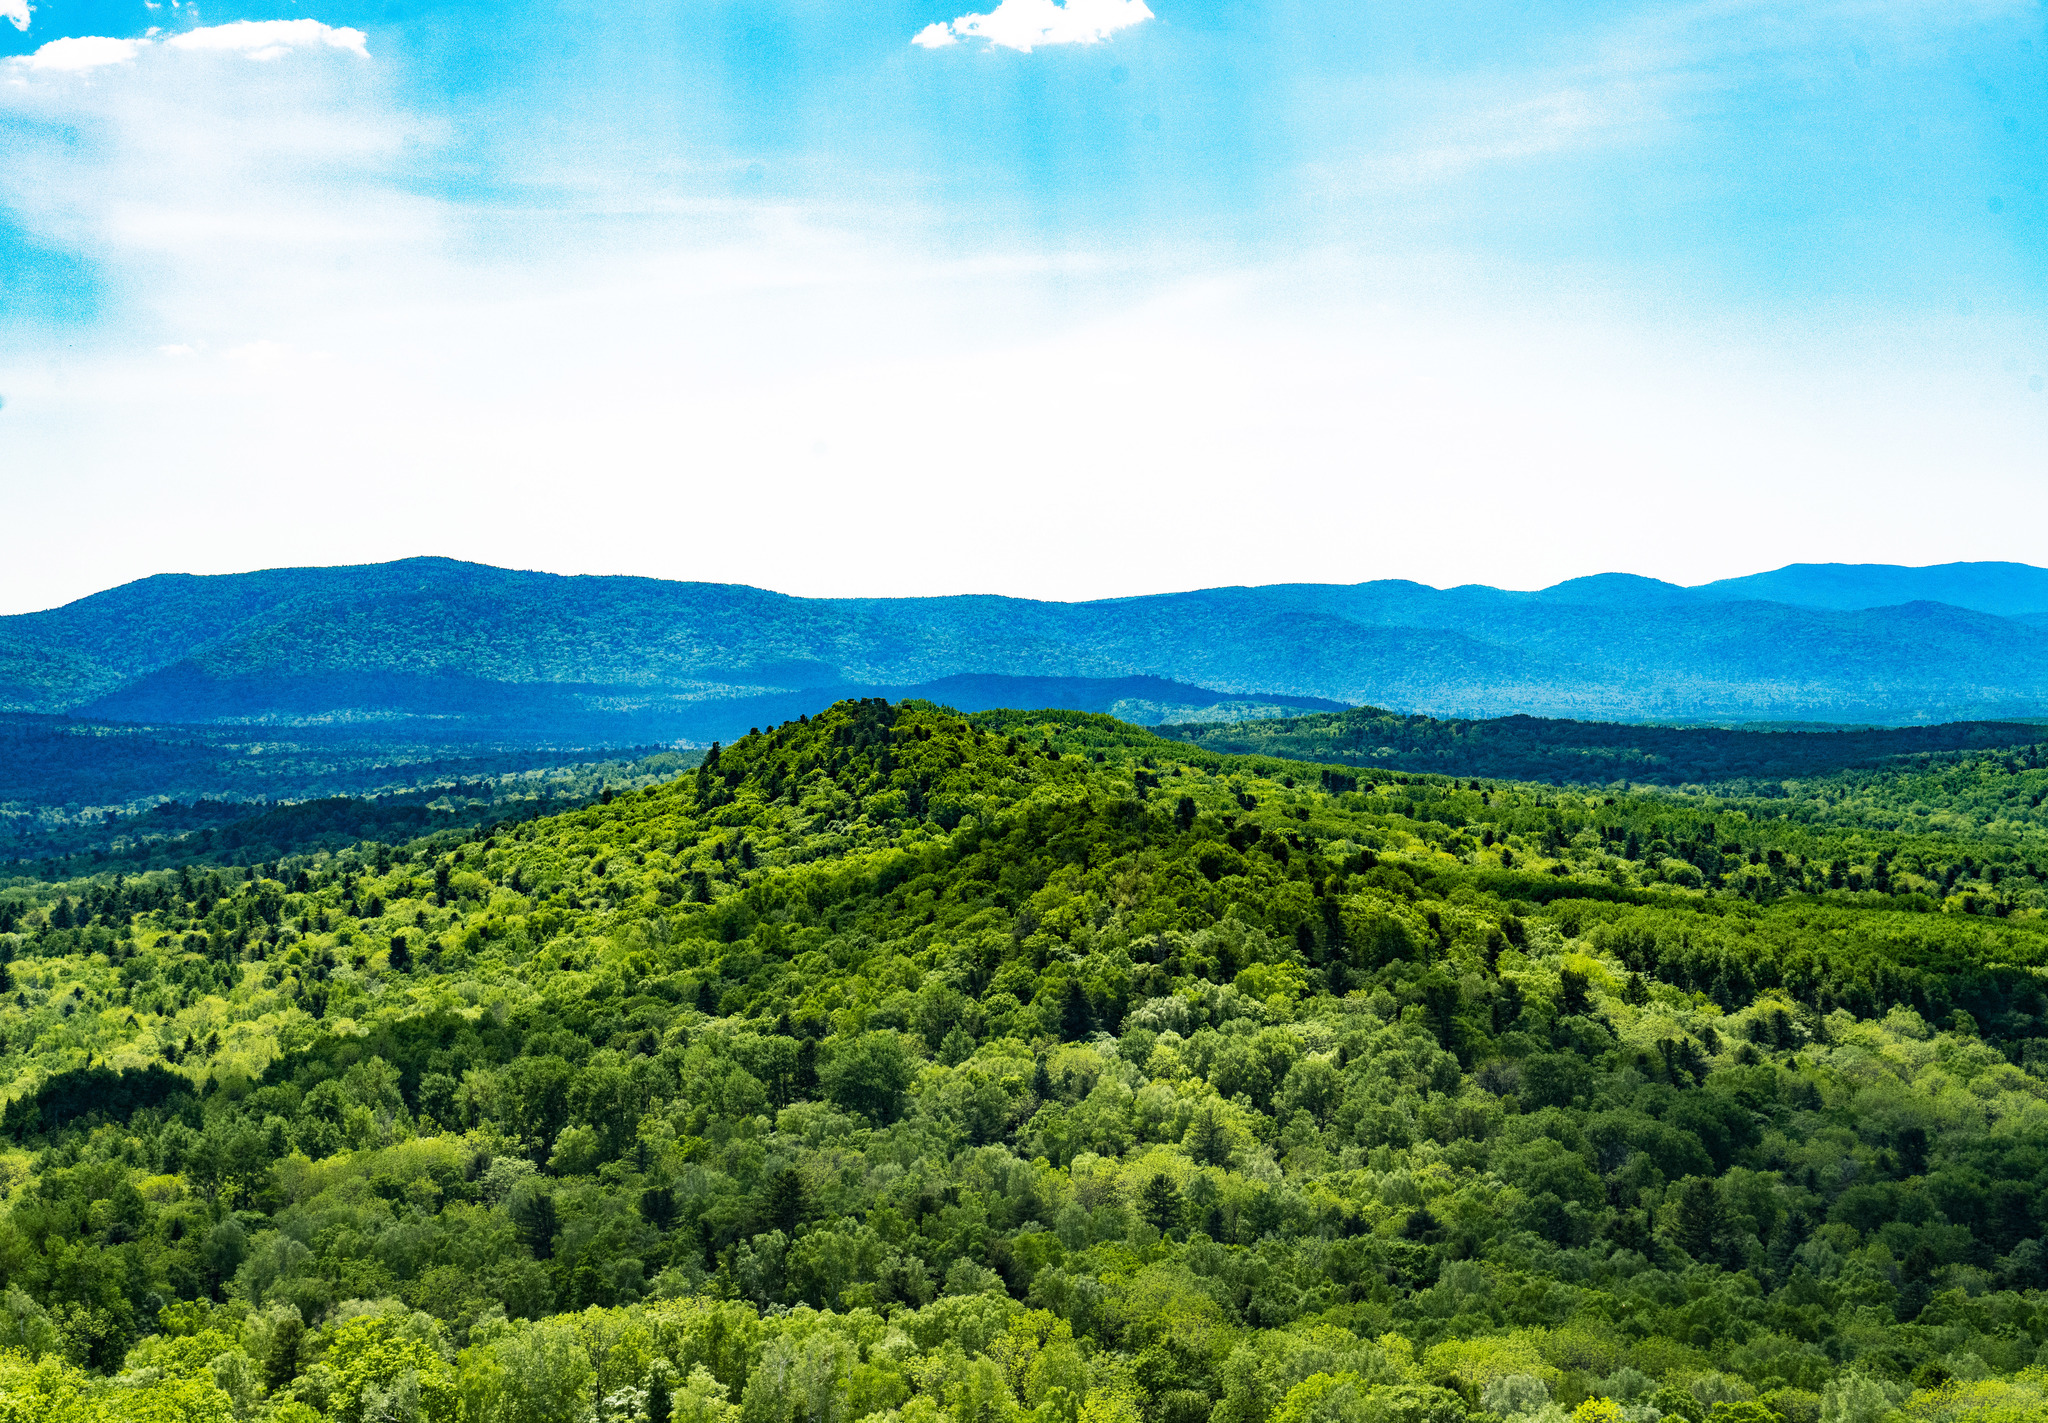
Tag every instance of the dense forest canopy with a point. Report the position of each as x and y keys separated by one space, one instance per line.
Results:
x=1532 y=748
x=1031 y=1068
x=59 y=772
x=239 y=832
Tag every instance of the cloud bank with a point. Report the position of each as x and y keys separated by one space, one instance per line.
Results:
x=271 y=39
x=1026 y=24
x=81 y=52
x=257 y=39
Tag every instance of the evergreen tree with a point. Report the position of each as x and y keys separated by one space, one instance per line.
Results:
x=658 y=1206
x=807 y=1068
x=534 y=1214
x=788 y=1202
x=1701 y=1220
x=1161 y=1204
x=1076 y=1022
x=1572 y=998
x=281 y=1366
x=1207 y=1140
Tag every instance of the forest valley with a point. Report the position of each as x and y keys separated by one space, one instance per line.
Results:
x=1032 y=1068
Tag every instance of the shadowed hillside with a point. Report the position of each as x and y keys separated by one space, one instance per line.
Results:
x=1594 y=753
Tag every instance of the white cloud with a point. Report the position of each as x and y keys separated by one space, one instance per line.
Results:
x=1026 y=24
x=270 y=39
x=258 y=39
x=80 y=53
x=15 y=12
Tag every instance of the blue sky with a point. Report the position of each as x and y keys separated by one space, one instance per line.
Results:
x=1195 y=293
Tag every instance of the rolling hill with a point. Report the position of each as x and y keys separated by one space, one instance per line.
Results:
x=622 y=660
x=894 y=1066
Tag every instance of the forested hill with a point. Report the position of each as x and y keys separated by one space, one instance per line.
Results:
x=95 y=767
x=633 y=660
x=1596 y=753
x=899 y=1066
x=242 y=833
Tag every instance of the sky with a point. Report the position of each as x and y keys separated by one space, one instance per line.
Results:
x=1064 y=301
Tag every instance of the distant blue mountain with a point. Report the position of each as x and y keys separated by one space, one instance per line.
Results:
x=2004 y=589
x=631 y=659
x=1617 y=590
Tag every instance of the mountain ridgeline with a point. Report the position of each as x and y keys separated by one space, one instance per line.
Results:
x=895 y=1066
x=629 y=660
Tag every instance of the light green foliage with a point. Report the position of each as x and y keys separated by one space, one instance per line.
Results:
x=906 y=1067
x=1513 y=1394
x=25 y=1325
x=531 y=1373
x=50 y=1391
x=2010 y=1400
x=1853 y=1398
x=379 y=1367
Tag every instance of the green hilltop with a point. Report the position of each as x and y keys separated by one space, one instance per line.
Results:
x=1034 y=1068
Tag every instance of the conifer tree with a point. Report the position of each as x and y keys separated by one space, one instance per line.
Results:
x=1207 y=1141
x=1075 y=1020
x=1701 y=1219
x=1162 y=1205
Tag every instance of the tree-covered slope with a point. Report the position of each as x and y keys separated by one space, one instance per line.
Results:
x=246 y=832
x=62 y=772
x=1594 y=753
x=898 y=1066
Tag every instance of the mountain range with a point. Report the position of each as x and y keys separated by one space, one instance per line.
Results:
x=629 y=660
